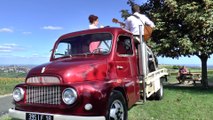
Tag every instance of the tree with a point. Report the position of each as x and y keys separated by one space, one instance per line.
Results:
x=183 y=28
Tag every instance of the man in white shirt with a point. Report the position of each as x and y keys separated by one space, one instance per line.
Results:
x=132 y=22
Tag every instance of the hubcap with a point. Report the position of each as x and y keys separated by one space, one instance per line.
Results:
x=116 y=111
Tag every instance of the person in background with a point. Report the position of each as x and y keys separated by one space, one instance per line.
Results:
x=132 y=22
x=93 y=20
x=182 y=73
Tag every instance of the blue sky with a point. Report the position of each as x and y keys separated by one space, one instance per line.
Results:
x=29 y=28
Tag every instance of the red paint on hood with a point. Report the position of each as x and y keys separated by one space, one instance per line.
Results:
x=74 y=69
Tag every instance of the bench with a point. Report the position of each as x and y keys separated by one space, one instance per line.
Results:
x=195 y=77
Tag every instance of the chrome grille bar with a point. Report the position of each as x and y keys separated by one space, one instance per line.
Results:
x=43 y=95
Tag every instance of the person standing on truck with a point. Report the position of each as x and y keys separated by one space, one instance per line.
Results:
x=93 y=25
x=93 y=20
x=132 y=22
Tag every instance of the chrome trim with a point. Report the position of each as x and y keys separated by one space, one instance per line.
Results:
x=43 y=95
x=22 y=94
x=22 y=114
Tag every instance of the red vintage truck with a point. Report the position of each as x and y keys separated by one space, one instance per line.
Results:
x=92 y=75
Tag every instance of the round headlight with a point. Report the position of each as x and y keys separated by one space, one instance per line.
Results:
x=18 y=94
x=69 y=96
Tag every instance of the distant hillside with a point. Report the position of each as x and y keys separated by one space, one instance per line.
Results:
x=12 y=75
x=14 y=71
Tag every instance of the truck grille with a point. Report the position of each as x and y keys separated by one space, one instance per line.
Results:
x=43 y=95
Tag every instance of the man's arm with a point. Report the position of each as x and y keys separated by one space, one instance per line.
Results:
x=148 y=21
x=127 y=26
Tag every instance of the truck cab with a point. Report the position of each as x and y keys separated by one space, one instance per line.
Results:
x=92 y=75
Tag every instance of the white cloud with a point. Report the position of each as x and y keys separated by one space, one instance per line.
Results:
x=10 y=47
x=10 y=44
x=6 y=30
x=35 y=54
x=5 y=51
x=52 y=27
x=26 y=33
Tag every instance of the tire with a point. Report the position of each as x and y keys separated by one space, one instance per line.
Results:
x=117 y=107
x=159 y=93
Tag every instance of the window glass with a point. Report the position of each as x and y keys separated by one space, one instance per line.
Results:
x=62 y=49
x=124 y=45
x=98 y=43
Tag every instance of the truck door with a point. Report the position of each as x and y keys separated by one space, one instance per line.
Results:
x=126 y=66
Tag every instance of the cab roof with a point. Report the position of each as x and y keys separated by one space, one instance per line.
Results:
x=112 y=30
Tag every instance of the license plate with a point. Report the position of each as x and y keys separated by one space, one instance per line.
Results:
x=32 y=116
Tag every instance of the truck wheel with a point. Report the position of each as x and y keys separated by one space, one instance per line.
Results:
x=159 y=93
x=117 y=109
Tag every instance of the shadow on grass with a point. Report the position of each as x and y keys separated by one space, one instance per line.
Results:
x=198 y=89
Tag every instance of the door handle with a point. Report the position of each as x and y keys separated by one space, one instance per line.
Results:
x=120 y=67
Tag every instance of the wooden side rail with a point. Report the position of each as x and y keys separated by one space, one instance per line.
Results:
x=158 y=73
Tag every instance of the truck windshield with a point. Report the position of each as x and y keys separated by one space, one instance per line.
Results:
x=98 y=43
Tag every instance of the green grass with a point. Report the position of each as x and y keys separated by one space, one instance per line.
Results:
x=7 y=84
x=12 y=74
x=179 y=102
x=5 y=117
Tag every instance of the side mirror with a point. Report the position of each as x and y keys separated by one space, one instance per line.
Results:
x=50 y=50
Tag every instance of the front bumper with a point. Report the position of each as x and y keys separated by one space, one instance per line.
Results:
x=22 y=114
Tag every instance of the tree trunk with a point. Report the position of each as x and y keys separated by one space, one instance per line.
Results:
x=204 y=59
